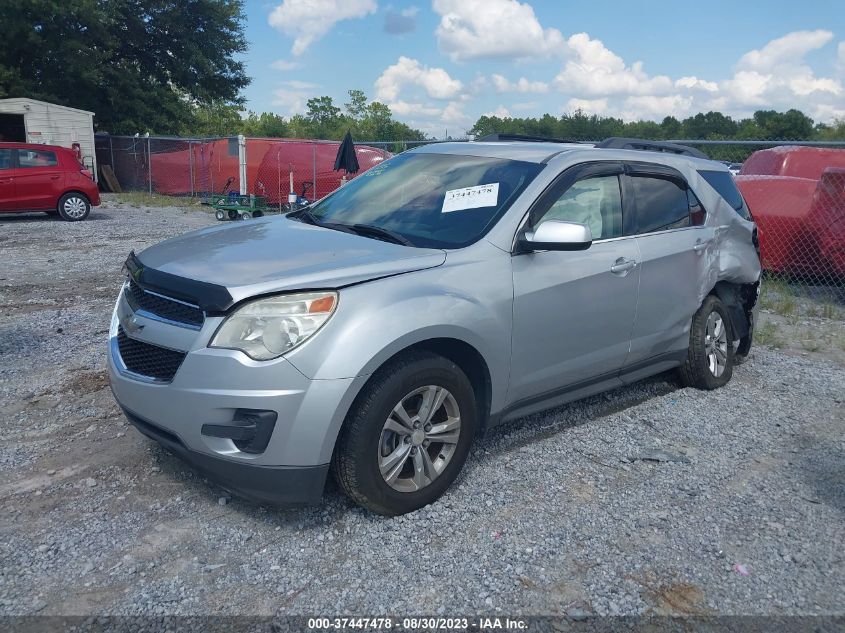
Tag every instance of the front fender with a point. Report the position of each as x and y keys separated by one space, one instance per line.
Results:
x=468 y=300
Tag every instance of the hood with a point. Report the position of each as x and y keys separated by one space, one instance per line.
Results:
x=270 y=255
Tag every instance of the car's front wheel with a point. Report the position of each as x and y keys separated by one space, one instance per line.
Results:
x=74 y=207
x=710 y=357
x=407 y=436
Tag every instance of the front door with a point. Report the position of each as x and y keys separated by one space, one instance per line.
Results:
x=7 y=180
x=39 y=179
x=574 y=311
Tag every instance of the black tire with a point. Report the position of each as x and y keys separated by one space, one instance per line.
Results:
x=258 y=214
x=245 y=215
x=233 y=215
x=73 y=207
x=355 y=462
x=220 y=215
x=696 y=370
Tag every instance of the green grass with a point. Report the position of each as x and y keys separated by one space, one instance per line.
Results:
x=768 y=334
x=143 y=199
x=830 y=311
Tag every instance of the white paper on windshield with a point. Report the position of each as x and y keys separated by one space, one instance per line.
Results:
x=471 y=197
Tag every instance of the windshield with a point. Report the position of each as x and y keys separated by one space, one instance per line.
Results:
x=431 y=200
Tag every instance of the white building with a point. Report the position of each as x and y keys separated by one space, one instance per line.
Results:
x=31 y=121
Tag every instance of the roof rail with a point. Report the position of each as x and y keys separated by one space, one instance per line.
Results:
x=524 y=137
x=617 y=142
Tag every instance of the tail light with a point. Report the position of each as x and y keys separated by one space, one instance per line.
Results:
x=87 y=173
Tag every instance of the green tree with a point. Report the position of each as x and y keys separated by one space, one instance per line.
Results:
x=712 y=125
x=322 y=110
x=139 y=65
x=356 y=107
x=215 y=119
x=790 y=125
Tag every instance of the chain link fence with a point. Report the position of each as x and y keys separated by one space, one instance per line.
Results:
x=273 y=168
x=794 y=189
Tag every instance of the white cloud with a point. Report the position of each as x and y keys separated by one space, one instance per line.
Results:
x=784 y=50
x=435 y=81
x=399 y=22
x=403 y=108
x=284 y=64
x=300 y=85
x=776 y=76
x=589 y=106
x=308 y=20
x=694 y=83
x=521 y=85
x=472 y=29
x=502 y=112
x=595 y=70
x=653 y=108
x=290 y=102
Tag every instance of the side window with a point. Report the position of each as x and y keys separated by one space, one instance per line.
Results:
x=723 y=182
x=596 y=202
x=696 y=209
x=662 y=204
x=5 y=159
x=36 y=158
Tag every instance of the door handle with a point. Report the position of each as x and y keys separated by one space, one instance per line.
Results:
x=621 y=266
x=54 y=177
x=699 y=246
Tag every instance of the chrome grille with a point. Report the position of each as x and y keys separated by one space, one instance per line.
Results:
x=162 y=307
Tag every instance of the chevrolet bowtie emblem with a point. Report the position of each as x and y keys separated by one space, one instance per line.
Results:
x=129 y=321
x=132 y=325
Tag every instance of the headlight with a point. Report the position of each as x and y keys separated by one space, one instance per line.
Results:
x=267 y=328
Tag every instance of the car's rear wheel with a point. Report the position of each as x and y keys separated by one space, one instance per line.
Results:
x=407 y=436
x=220 y=215
x=710 y=357
x=74 y=207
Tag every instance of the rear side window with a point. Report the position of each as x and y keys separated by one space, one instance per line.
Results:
x=723 y=183
x=662 y=204
x=36 y=158
x=5 y=159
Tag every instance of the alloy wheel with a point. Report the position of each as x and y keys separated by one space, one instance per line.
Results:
x=419 y=438
x=716 y=344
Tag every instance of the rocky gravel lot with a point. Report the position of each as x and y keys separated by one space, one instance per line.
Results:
x=649 y=499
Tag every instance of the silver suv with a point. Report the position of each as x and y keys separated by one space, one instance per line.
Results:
x=444 y=291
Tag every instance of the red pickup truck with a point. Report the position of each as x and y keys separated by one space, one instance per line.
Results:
x=797 y=198
x=45 y=178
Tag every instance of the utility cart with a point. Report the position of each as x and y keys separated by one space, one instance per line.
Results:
x=233 y=206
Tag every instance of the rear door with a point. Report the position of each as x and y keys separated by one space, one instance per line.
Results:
x=39 y=179
x=674 y=246
x=7 y=180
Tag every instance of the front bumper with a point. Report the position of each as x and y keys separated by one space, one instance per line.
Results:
x=289 y=485
x=211 y=388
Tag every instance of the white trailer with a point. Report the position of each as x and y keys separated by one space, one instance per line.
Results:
x=30 y=121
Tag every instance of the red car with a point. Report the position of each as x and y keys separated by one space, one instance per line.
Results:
x=45 y=178
x=797 y=197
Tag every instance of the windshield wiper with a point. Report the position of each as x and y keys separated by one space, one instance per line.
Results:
x=360 y=229
x=306 y=214
x=379 y=232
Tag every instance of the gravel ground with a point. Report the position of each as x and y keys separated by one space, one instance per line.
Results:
x=648 y=499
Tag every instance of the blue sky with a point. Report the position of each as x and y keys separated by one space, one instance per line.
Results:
x=441 y=64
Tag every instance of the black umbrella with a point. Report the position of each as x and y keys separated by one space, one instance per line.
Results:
x=346 y=158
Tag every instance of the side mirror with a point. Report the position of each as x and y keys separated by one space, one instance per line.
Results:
x=556 y=235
